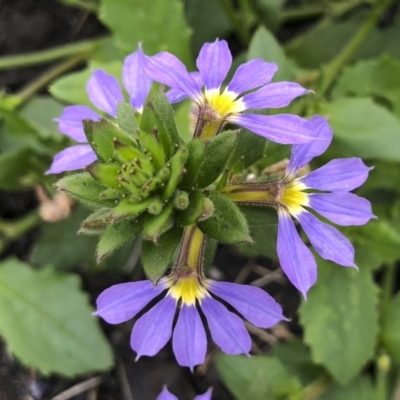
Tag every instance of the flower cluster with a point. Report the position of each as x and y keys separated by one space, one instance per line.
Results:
x=160 y=183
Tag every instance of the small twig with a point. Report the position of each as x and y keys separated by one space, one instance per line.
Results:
x=271 y=276
x=79 y=388
x=245 y=271
x=261 y=333
x=92 y=394
x=123 y=381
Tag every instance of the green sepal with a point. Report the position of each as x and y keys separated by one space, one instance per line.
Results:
x=177 y=169
x=191 y=214
x=165 y=113
x=115 y=236
x=150 y=143
x=107 y=174
x=125 y=153
x=217 y=153
x=209 y=252
x=110 y=194
x=158 y=117
x=96 y=223
x=227 y=224
x=157 y=257
x=125 y=209
x=155 y=225
x=84 y=188
x=101 y=135
x=196 y=148
x=126 y=117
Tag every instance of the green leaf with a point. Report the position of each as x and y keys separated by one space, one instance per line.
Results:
x=363 y=128
x=216 y=155
x=380 y=237
x=156 y=225
x=96 y=223
x=101 y=135
x=380 y=77
x=296 y=357
x=60 y=245
x=85 y=189
x=115 y=236
x=52 y=310
x=210 y=14
x=17 y=169
x=269 y=13
x=323 y=42
x=71 y=88
x=41 y=111
x=227 y=224
x=127 y=119
x=196 y=148
x=165 y=114
x=257 y=378
x=263 y=224
x=159 y=24
x=264 y=45
x=249 y=149
x=157 y=257
x=340 y=320
x=391 y=328
x=359 y=388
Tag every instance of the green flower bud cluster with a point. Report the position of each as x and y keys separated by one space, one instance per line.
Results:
x=147 y=180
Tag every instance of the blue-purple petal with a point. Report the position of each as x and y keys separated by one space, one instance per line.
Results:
x=104 y=92
x=227 y=329
x=189 y=340
x=253 y=303
x=295 y=257
x=166 y=395
x=72 y=158
x=213 y=63
x=274 y=95
x=282 y=128
x=251 y=75
x=152 y=330
x=165 y=68
x=342 y=208
x=135 y=79
x=329 y=243
x=341 y=174
x=70 y=121
x=205 y=396
x=176 y=95
x=302 y=154
x=120 y=303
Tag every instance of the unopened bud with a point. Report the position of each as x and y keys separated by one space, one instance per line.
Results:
x=181 y=200
x=208 y=209
x=155 y=207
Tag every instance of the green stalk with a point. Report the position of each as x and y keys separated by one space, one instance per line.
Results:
x=238 y=25
x=333 y=68
x=43 y=80
x=12 y=230
x=316 y=388
x=43 y=56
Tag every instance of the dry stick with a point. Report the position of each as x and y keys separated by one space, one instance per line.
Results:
x=123 y=381
x=79 y=388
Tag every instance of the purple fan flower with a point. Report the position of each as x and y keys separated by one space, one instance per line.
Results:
x=167 y=395
x=288 y=194
x=105 y=93
x=187 y=296
x=338 y=177
x=216 y=106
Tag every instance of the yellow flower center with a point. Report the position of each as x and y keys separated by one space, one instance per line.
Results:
x=294 y=198
x=224 y=103
x=188 y=289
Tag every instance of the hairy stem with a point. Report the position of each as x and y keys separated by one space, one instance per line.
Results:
x=43 y=56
